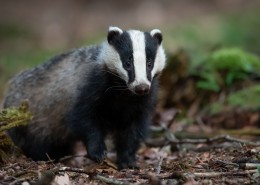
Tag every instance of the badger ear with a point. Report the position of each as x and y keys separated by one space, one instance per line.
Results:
x=157 y=34
x=113 y=32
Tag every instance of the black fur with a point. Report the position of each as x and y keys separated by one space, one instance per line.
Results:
x=158 y=37
x=151 y=46
x=101 y=109
x=123 y=45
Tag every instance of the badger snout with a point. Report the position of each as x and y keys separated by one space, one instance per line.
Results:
x=142 y=89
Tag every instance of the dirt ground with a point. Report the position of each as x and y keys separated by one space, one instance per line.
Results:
x=219 y=163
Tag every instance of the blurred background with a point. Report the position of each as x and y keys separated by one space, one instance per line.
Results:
x=213 y=49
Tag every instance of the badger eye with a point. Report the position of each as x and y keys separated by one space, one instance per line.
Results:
x=149 y=63
x=129 y=62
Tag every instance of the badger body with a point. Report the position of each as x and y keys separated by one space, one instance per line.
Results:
x=89 y=92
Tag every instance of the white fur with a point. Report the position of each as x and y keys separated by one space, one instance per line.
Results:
x=154 y=31
x=159 y=62
x=113 y=28
x=112 y=60
x=138 y=42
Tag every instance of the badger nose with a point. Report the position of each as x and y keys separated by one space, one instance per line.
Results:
x=142 y=89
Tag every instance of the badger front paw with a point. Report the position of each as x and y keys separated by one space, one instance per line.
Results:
x=97 y=153
x=126 y=162
x=127 y=165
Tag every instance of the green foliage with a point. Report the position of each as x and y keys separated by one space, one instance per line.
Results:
x=9 y=118
x=246 y=99
x=225 y=66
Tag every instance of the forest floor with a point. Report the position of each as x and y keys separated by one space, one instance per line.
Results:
x=164 y=159
x=225 y=163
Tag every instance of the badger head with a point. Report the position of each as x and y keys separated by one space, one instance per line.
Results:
x=135 y=56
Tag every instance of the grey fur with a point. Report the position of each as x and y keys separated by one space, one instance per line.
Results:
x=40 y=85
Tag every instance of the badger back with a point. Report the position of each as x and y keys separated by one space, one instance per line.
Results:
x=53 y=86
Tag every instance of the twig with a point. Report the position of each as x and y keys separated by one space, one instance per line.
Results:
x=219 y=174
x=21 y=173
x=19 y=181
x=158 y=169
x=50 y=160
x=227 y=163
x=221 y=138
x=70 y=157
x=249 y=166
x=76 y=170
x=111 y=181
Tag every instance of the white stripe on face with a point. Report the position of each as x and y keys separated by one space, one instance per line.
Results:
x=138 y=42
x=159 y=61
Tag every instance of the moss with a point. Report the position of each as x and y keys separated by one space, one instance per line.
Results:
x=246 y=99
x=225 y=66
x=9 y=118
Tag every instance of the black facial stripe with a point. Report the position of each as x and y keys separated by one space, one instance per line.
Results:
x=150 y=49
x=123 y=45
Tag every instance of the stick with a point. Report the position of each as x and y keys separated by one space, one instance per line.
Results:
x=76 y=170
x=249 y=166
x=219 y=174
x=19 y=181
x=50 y=160
x=111 y=181
x=158 y=169
x=221 y=138
x=228 y=163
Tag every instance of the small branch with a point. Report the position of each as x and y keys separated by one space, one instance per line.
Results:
x=219 y=174
x=158 y=169
x=221 y=138
x=50 y=160
x=111 y=181
x=249 y=166
x=19 y=181
x=227 y=163
x=76 y=170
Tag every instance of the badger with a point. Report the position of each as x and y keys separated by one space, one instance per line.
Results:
x=89 y=92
